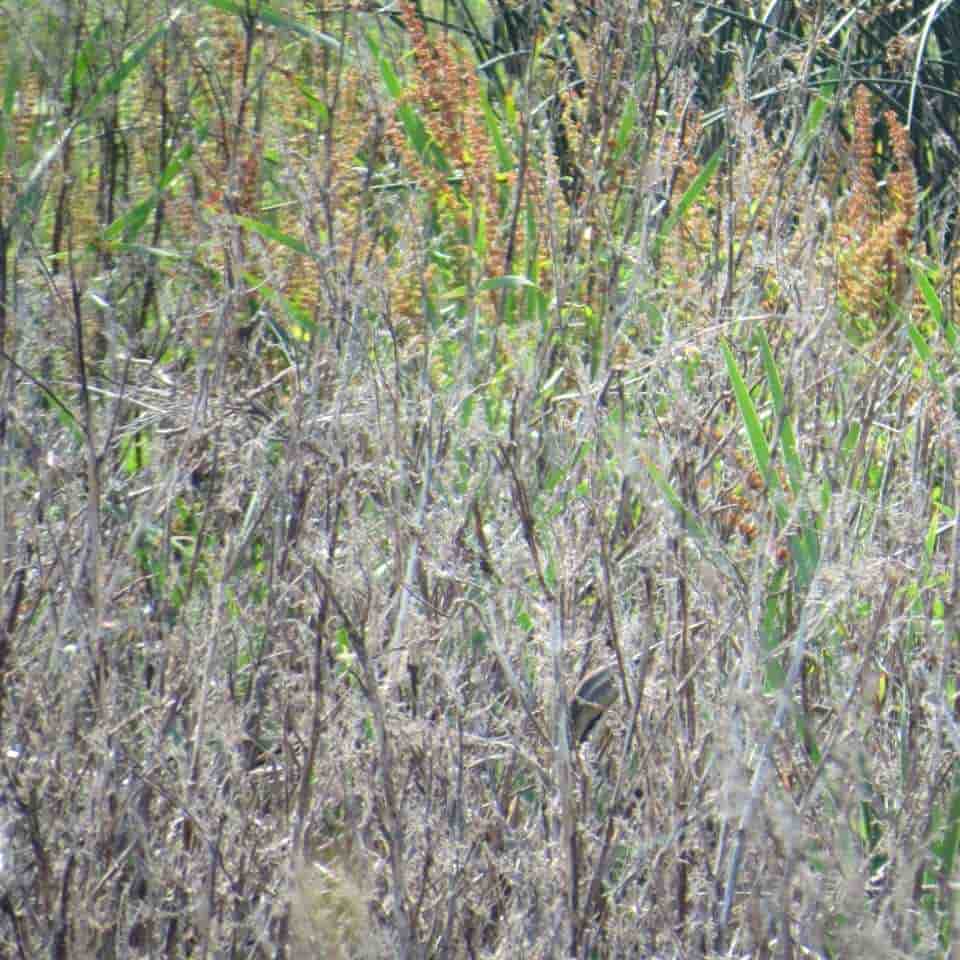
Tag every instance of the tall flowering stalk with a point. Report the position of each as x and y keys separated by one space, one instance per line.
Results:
x=875 y=235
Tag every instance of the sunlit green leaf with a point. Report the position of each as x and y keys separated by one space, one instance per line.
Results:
x=512 y=282
x=269 y=232
x=689 y=198
x=273 y=17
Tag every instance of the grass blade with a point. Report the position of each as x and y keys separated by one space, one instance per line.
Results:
x=28 y=196
x=269 y=232
x=755 y=434
x=132 y=222
x=269 y=15
x=788 y=440
x=690 y=196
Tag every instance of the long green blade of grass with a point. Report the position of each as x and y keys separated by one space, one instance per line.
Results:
x=275 y=19
x=689 y=198
x=755 y=434
x=817 y=112
x=10 y=85
x=116 y=80
x=504 y=155
x=929 y=293
x=803 y=545
x=690 y=521
x=269 y=232
x=787 y=438
x=113 y=83
x=946 y=850
x=511 y=281
x=132 y=222
x=415 y=129
x=925 y=353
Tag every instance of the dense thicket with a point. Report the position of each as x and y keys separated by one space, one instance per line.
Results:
x=478 y=480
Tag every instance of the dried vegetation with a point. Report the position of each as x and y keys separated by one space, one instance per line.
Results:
x=477 y=481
